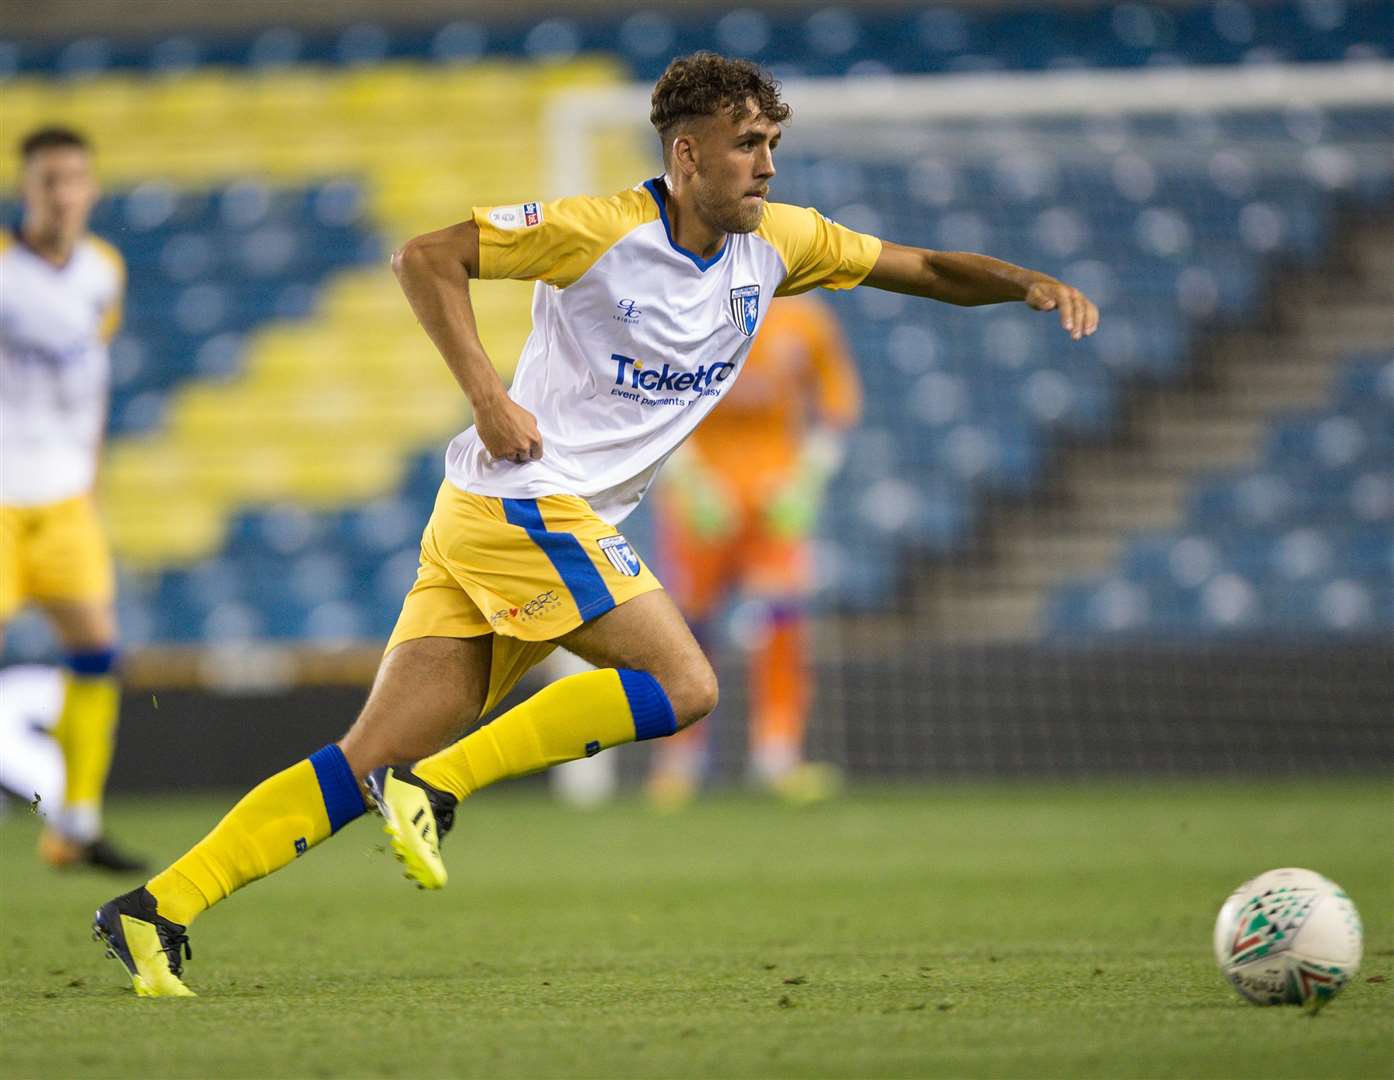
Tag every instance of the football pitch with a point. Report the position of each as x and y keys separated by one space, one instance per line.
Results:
x=994 y=931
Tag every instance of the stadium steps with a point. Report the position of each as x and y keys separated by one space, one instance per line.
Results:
x=1100 y=495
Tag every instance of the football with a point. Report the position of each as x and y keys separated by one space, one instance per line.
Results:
x=1289 y=937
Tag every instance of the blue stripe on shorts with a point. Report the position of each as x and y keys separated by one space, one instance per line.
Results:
x=568 y=558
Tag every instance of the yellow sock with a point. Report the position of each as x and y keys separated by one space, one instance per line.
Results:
x=86 y=734
x=277 y=821
x=574 y=717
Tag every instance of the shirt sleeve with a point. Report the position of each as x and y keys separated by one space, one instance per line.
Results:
x=816 y=251
x=113 y=311
x=111 y=320
x=555 y=242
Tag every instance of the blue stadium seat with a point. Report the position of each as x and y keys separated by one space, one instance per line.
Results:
x=1368 y=382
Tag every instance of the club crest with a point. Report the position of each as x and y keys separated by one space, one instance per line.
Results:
x=621 y=555
x=745 y=308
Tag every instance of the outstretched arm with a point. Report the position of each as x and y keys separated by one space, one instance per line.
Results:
x=434 y=271
x=960 y=277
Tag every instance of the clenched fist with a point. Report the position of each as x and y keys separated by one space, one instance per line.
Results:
x=508 y=431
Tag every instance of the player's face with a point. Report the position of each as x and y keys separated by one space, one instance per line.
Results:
x=735 y=166
x=59 y=190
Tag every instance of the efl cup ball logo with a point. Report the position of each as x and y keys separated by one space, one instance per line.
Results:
x=1288 y=937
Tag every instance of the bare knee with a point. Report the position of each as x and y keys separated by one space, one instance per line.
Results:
x=83 y=627
x=693 y=692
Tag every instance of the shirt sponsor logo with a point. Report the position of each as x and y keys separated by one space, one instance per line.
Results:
x=629 y=311
x=632 y=374
x=622 y=557
x=745 y=308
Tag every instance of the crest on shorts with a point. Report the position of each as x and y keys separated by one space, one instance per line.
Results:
x=745 y=308
x=621 y=555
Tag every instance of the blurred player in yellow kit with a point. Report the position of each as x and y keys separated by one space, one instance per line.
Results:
x=737 y=506
x=59 y=307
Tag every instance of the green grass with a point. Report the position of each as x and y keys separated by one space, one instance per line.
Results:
x=962 y=931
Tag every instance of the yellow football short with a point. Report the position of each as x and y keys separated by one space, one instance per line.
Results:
x=56 y=553
x=526 y=570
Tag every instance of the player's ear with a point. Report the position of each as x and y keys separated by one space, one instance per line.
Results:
x=685 y=154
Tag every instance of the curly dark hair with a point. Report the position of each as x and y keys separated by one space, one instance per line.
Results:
x=705 y=83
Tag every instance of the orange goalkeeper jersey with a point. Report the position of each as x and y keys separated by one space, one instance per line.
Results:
x=799 y=372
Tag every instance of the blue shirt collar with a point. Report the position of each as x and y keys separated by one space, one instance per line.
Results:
x=658 y=189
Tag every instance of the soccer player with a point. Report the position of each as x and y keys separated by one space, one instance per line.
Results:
x=60 y=306
x=736 y=507
x=645 y=309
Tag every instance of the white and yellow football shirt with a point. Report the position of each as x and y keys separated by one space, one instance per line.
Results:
x=634 y=339
x=55 y=323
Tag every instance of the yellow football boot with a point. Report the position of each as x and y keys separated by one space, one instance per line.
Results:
x=144 y=941
x=416 y=816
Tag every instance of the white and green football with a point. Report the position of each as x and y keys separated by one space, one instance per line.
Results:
x=1289 y=937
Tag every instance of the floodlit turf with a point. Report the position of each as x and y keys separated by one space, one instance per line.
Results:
x=965 y=931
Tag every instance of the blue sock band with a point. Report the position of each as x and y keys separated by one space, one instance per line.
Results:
x=648 y=704
x=92 y=663
x=342 y=801
x=784 y=612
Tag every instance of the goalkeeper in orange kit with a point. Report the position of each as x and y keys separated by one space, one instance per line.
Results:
x=737 y=507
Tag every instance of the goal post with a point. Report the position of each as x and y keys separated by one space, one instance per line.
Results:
x=593 y=135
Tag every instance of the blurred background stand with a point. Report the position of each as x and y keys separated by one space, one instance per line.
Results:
x=1168 y=550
